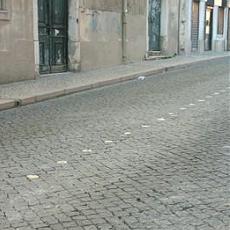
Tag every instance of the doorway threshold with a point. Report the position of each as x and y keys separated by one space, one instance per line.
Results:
x=47 y=75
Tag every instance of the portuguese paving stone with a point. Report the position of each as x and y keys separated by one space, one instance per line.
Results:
x=105 y=161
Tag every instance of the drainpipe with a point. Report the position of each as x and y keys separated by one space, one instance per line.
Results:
x=124 y=31
x=178 y=38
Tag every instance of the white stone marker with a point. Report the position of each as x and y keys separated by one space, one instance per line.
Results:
x=161 y=119
x=61 y=162
x=32 y=177
x=87 y=151
x=145 y=126
x=108 y=142
x=127 y=133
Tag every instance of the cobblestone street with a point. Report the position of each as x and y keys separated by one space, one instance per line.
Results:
x=146 y=154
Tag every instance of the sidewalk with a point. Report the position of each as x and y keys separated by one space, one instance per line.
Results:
x=47 y=87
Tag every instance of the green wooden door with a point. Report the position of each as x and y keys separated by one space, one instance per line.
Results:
x=52 y=18
x=154 y=19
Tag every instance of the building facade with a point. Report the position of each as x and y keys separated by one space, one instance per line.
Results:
x=206 y=25
x=51 y=36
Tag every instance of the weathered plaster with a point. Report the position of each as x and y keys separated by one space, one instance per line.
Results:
x=16 y=43
x=185 y=26
x=100 y=33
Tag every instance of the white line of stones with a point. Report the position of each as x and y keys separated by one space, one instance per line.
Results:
x=161 y=119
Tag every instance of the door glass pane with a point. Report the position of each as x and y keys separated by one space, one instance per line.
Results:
x=59 y=53
x=58 y=12
x=42 y=11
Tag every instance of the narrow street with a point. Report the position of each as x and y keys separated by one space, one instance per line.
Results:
x=145 y=154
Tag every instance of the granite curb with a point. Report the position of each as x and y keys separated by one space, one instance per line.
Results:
x=7 y=103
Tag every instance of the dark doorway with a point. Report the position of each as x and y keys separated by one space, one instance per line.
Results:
x=154 y=21
x=208 y=28
x=52 y=19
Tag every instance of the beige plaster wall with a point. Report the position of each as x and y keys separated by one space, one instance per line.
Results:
x=136 y=30
x=101 y=32
x=173 y=29
x=103 y=5
x=185 y=27
x=16 y=42
x=100 y=38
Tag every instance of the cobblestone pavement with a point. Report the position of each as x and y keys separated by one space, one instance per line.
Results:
x=151 y=154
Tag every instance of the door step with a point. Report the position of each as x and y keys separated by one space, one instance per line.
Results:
x=158 y=57
x=153 y=53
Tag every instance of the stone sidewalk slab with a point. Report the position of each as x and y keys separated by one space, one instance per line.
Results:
x=56 y=85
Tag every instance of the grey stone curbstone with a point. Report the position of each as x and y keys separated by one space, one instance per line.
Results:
x=49 y=95
x=27 y=100
x=75 y=89
x=7 y=104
